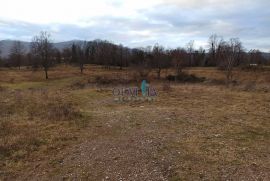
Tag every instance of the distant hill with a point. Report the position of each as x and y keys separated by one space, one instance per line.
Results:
x=266 y=55
x=5 y=46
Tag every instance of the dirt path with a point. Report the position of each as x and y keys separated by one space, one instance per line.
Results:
x=124 y=148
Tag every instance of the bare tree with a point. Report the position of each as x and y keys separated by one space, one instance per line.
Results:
x=159 y=58
x=190 y=51
x=121 y=56
x=0 y=55
x=80 y=54
x=106 y=53
x=0 y=49
x=214 y=43
x=255 y=57
x=74 y=53
x=16 y=54
x=67 y=55
x=83 y=51
x=57 y=56
x=199 y=57
x=140 y=62
x=229 y=52
x=179 y=57
x=41 y=48
x=254 y=63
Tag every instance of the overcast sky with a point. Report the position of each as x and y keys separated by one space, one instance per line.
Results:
x=135 y=23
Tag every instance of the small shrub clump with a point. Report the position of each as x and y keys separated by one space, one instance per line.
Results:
x=60 y=110
x=184 y=77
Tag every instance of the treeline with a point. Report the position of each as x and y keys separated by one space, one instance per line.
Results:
x=221 y=53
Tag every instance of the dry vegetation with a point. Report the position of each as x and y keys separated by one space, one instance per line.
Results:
x=70 y=127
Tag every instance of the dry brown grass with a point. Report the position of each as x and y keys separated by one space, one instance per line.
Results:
x=67 y=127
x=239 y=75
x=166 y=87
x=34 y=122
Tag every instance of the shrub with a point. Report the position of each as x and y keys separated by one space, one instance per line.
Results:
x=112 y=80
x=59 y=110
x=184 y=77
x=171 y=77
x=103 y=80
x=52 y=107
x=78 y=85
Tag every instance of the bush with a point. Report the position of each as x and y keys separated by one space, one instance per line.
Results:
x=251 y=86
x=184 y=77
x=171 y=77
x=111 y=80
x=52 y=107
x=252 y=67
x=59 y=110
x=103 y=80
x=78 y=85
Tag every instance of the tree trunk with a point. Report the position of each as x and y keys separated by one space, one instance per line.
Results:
x=229 y=77
x=158 y=73
x=81 y=70
x=179 y=70
x=46 y=73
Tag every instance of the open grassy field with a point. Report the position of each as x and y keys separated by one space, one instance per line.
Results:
x=70 y=127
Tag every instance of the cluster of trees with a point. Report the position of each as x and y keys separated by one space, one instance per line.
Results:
x=221 y=53
x=96 y=52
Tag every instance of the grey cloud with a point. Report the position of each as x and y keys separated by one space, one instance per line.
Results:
x=172 y=23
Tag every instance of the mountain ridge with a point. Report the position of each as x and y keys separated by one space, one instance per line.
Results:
x=5 y=45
